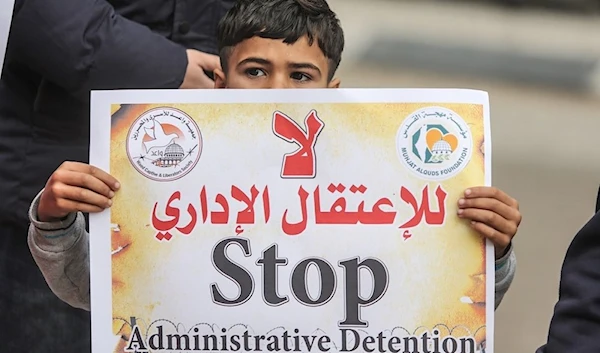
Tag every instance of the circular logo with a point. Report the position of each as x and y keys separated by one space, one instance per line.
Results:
x=164 y=144
x=434 y=143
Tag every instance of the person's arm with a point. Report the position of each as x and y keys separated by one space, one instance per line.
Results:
x=57 y=237
x=576 y=321
x=61 y=251
x=495 y=215
x=83 y=44
x=506 y=267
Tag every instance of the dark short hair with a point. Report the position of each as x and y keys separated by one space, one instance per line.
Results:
x=289 y=20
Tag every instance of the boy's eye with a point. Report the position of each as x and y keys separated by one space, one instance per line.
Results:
x=300 y=76
x=255 y=72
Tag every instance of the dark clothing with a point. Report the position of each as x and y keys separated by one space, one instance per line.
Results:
x=575 y=326
x=33 y=319
x=57 y=52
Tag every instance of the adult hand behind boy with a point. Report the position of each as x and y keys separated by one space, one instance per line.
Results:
x=76 y=187
x=198 y=64
x=493 y=214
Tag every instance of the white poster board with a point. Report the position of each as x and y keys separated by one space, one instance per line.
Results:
x=291 y=221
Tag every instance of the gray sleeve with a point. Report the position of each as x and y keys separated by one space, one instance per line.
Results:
x=61 y=251
x=505 y=273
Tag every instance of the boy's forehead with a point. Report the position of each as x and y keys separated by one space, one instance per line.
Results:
x=276 y=51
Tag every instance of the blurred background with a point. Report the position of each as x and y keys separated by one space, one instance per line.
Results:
x=540 y=62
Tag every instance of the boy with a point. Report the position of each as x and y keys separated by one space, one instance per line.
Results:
x=263 y=44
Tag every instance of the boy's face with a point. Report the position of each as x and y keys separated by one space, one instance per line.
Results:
x=270 y=63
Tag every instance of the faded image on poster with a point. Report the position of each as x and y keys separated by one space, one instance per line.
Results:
x=291 y=221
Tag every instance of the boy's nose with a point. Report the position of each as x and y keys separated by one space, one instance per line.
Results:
x=280 y=81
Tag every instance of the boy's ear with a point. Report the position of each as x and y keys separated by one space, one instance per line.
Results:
x=335 y=83
x=220 y=81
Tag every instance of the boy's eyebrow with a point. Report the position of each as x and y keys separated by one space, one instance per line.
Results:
x=262 y=61
x=304 y=66
x=254 y=60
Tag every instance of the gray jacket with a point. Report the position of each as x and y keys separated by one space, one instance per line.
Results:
x=61 y=251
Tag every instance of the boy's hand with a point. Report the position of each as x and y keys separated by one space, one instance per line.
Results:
x=76 y=187
x=493 y=214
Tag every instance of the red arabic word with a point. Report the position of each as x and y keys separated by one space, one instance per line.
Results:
x=302 y=162
x=337 y=213
x=245 y=216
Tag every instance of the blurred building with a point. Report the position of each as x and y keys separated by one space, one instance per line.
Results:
x=574 y=6
x=540 y=62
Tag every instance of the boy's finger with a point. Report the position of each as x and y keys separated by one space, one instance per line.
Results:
x=72 y=206
x=489 y=218
x=82 y=195
x=73 y=166
x=491 y=192
x=95 y=172
x=71 y=178
x=499 y=239
x=492 y=205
